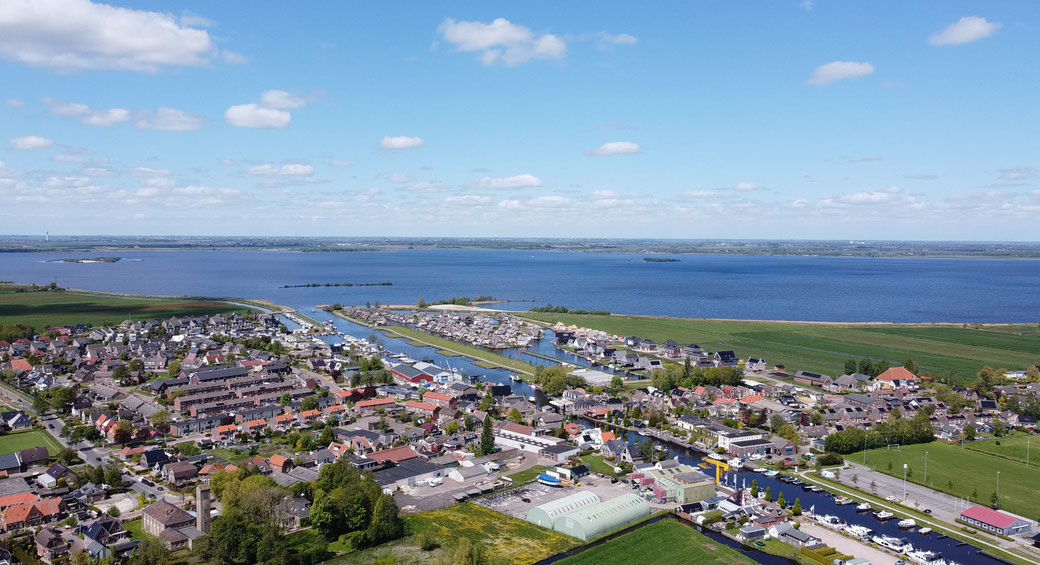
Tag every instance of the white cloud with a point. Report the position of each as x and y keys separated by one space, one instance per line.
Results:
x=30 y=142
x=288 y=170
x=167 y=119
x=87 y=115
x=839 y=70
x=513 y=182
x=14 y=103
x=618 y=39
x=426 y=187
x=806 y=5
x=468 y=200
x=74 y=35
x=695 y=194
x=255 y=117
x=865 y=198
x=617 y=148
x=233 y=57
x=501 y=41
x=604 y=195
x=191 y=19
x=964 y=30
x=1017 y=173
x=339 y=164
x=510 y=204
x=746 y=187
x=401 y=142
x=148 y=172
x=548 y=202
x=281 y=100
x=400 y=178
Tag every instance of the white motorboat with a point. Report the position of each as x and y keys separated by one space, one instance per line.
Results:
x=926 y=557
x=771 y=473
x=884 y=515
x=924 y=531
x=899 y=545
x=734 y=463
x=861 y=532
x=759 y=469
x=907 y=523
x=863 y=507
x=842 y=501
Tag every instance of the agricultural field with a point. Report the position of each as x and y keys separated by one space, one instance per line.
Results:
x=965 y=473
x=940 y=350
x=666 y=543
x=17 y=441
x=44 y=309
x=1018 y=448
x=504 y=539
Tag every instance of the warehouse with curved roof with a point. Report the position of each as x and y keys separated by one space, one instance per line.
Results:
x=597 y=519
x=545 y=515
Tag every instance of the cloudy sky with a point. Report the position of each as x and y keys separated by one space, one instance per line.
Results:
x=779 y=119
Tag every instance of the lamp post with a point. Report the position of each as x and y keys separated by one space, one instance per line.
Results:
x=904 y=480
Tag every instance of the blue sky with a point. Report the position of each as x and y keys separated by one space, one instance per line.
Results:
x=881 y=120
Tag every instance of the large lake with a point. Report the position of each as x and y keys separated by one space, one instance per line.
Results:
x=701 y=286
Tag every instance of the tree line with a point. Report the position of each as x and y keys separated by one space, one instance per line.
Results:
x=672 y=376
x=896 y=430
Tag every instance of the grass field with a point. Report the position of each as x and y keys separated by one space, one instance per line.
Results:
x=973 y=474
x=1018 y=448
x=666 y=543
x=504 y=539
x=596 y=464
x=18 y=441
x=937 y=349
x=527 y=476
x=136 y=529
x=48 y=309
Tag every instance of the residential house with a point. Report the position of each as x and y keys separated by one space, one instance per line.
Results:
x=50 y=546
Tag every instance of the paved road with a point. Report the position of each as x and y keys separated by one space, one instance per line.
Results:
x=87 y=451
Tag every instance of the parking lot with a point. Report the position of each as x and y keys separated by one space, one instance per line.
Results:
x=518 y=502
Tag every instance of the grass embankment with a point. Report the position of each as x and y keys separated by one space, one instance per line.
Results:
x=823 y=348
x=43 y=309
x=666 y=542
x=17 y=441
x=964 y=473
x=504 y=539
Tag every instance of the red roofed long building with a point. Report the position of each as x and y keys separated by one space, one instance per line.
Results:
x=897 y=377
x=994 y=521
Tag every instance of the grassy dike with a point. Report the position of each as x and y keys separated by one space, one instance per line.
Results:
x=939 y=349
x=449 y=348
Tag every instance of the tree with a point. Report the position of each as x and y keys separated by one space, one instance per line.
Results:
x=61 y=399
x=776 y=422
x=452 y=428
x=487 y=402
x=309 y=403
x=998 y=429
x=467 y=422
x=616 y=383
x=40 y=404
x=969 y=433
x=1033 y=374
x=909 y=365
x=796 y=509
x=386 y=525
x=646 y=450
x=121 y=374
x=173 y=369
x=769 y=494
x=422 y=302
x=780 y=500
x=161 y=421
x=487 y=437
x=327 y=436
x=515 y=416
x=850 y=366
x=285 y=400
x=124 y=431
x=754 y=488
x=67 y=456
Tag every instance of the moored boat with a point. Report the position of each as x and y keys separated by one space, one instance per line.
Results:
x=907 y=523
x=842 y=501
x=883 y=515
x=863 y=507
x=924 y=531
x=926 y=557
x=899 y=545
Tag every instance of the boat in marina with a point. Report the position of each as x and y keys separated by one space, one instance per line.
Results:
x=861 y=532
x=830 y=521
x=907 y=523
x=924 y=531
x=899 y=545
x=734 y=463
x=864 y=507
x=884 y=515
x=514 y=377
x=814 y=489
x=771 y=473
x=759 y=470
x=926 y=558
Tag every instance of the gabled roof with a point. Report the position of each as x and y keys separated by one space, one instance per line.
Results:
x=897 y=374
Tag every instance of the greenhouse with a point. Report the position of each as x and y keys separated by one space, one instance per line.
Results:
x=592 y=521
x=546 y=514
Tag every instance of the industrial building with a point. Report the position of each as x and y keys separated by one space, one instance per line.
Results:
x=584 y=516
x=674 y=482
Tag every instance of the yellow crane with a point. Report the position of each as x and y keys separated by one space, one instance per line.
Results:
x=720 y=466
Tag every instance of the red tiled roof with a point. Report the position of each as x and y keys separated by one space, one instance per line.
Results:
x=420 y=406
x=751 y=399
x=991 y=517
x=255 y=423
x=436 y=396
x=20 y=498
x=518 y=429
x=18 y=365
x=278 y=460
x=897 y=374
x=375 y=402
